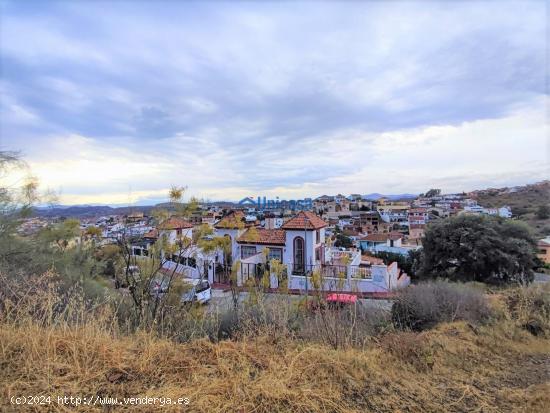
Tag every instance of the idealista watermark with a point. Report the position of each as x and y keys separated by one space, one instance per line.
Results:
x=263 y=203
x=96 y=400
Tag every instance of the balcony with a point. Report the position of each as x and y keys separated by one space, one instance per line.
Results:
x=332 y=271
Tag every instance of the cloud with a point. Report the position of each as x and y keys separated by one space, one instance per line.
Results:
x=235 y=99
x=504 y=151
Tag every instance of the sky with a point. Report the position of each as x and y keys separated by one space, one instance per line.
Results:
x=114 y=102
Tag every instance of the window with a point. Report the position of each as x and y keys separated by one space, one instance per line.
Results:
x=318 y=236
x=275 y=254
x=299 y=255
x=247 y=251
x=542 y=251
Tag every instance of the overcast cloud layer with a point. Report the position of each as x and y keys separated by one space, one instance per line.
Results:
x=112 y=102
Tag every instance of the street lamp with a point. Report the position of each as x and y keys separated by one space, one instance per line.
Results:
x=304 y=255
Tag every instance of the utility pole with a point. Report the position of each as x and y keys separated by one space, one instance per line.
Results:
x=305 y=254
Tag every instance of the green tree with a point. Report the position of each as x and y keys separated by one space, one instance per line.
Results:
x=543 y=212
x=408 y=263
x=433 y=192
x=343 y=241
x=478 y=248
x=93 y=232
x=15 y=201
x=62 y=234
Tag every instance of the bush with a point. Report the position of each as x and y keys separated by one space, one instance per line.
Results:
x=422 y=306
x=530 y=308
x=353 y=326
x=410 y=348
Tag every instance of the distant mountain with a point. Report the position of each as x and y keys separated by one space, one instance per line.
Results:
x=82 y=211
x=87 y=211
x=375 y=196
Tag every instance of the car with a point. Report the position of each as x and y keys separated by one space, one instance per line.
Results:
x=200 y=292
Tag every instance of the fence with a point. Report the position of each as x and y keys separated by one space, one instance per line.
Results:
x=332 y=271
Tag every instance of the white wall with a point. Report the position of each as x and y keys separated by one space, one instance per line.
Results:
x=311 y=245
x=234 y=234
x=383 y=279
x=172 y=234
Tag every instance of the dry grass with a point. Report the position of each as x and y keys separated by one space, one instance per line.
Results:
x=456 y=367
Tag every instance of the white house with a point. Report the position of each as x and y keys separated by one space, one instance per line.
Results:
x=299 y=244
x=505 y=212
x=305 y=241
x=257 y=247
x=418 y=215
x=175 y=228
x=232 y=226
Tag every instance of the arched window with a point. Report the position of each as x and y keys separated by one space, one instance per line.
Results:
x=299 y=260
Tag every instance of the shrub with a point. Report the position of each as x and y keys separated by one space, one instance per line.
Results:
x=410 y=348
x=530 y=308
x=422 y=306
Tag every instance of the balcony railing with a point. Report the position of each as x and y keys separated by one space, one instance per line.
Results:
x=332 y=271
x=257 y=272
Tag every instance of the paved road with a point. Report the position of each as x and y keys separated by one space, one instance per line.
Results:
x=223 y=301
x=541 y=278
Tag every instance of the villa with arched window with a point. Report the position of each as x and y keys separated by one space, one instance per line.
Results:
x=305 y=238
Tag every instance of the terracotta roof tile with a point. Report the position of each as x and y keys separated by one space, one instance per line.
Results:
x=151 y=234
x=305 y=220
x=263 y=236
x=234 y=220
x=372 y=260
x=175 y=223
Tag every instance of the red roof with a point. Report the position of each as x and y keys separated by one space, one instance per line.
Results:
x=371 y=259
x=151 y=234
x=175 y=223
x=263 y=236
x=305 y=220
x=234 y=220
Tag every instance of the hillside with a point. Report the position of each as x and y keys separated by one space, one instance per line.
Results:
x=86 y=211
x=454 y=367
x=524 y=201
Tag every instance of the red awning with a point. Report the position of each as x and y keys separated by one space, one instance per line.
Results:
x=342 y=298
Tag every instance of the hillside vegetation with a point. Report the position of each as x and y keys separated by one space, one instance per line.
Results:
x=525 y=202
x=498 y=365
